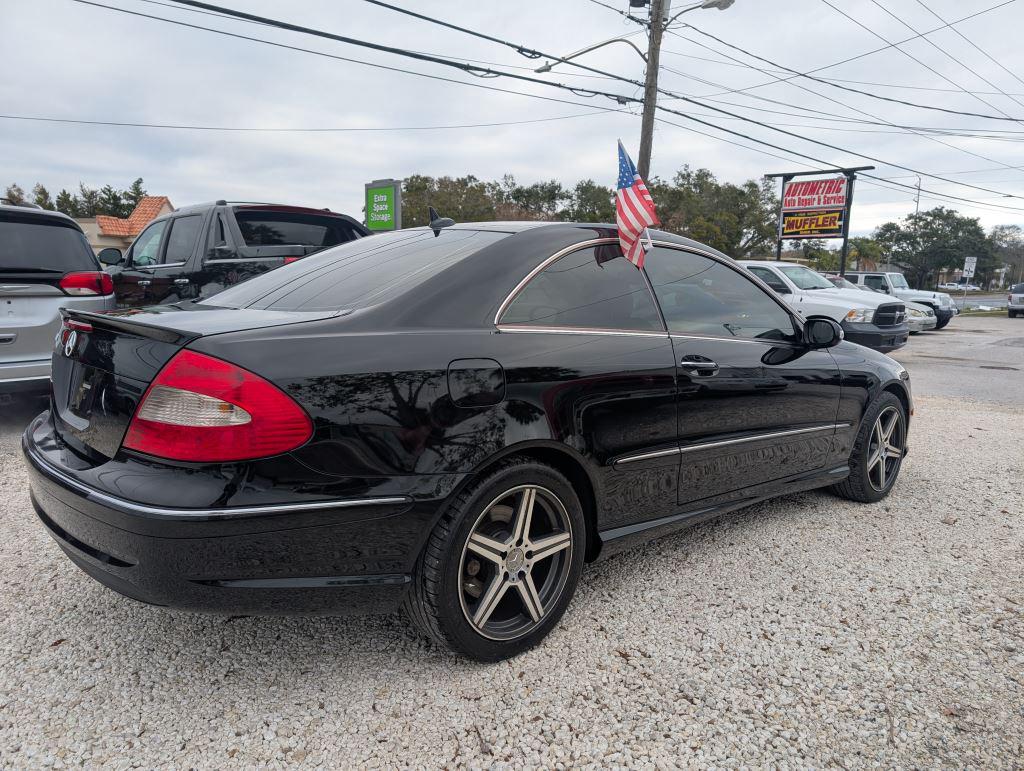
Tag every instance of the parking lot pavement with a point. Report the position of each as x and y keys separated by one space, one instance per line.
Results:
x=973 y=358
x=803 y=631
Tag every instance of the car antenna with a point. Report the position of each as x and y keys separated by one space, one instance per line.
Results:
x=437 y=221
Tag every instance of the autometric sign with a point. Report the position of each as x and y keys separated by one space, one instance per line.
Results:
x=384 y=204
x=813 y=224
x=804 y=195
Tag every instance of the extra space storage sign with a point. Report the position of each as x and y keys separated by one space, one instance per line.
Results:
x=814 y=208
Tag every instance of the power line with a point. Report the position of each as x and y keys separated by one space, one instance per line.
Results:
x=260 y=129
x=872 y=52
x=798 y=74
x=976 y=47
x=950 y=56
x=910 y=55
x=621 y=98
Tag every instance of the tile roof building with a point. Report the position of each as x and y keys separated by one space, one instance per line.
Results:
x=104 y=231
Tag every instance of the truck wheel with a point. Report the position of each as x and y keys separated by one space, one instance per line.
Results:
x=942 y=322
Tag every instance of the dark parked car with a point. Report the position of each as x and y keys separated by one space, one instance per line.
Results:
x=453 y=421
x=45 y=264
x=199 y=250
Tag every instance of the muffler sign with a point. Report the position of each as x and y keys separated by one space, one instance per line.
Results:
x=815 y=224
x=814 y=194
x=814 y=208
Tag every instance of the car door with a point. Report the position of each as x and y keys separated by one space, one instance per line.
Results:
x=134 y=276
x=755 y=404
x=593 y=358
x=171 y=279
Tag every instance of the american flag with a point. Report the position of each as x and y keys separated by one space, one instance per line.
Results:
x=634 y=211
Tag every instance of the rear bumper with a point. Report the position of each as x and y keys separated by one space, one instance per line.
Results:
x=882 y=339
x=30 y=375
x=263 y=560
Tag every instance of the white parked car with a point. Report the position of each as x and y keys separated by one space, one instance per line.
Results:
x=895 y=285
x=920 y=318
x=875 y=321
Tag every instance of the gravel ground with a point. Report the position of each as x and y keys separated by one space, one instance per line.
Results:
x=804 y=631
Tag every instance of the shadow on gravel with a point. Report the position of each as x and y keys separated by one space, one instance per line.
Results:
x=223 y=647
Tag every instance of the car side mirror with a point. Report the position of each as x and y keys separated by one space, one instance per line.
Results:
x=822 y=333
x=110 y=256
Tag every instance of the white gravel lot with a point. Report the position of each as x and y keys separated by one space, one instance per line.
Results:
x=805 y=631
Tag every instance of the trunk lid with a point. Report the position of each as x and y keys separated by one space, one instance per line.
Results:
x=103 y=363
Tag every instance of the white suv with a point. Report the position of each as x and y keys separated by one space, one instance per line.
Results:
x=876 y=322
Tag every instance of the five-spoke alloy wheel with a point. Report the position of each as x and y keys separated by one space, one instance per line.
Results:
x=515 y=562
x=502 y=563
x=878 y=451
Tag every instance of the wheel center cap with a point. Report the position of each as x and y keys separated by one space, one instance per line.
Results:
x=514 y=560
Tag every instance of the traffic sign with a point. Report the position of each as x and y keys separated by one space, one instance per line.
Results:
x=969 y=264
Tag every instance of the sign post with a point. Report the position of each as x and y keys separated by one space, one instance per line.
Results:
x=383 y=204
x=817 y=208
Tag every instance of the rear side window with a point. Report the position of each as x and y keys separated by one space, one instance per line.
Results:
x=28 y=244
x=278 y=228
x=700 y=296
x=365 y=272
x=182 y=239
x=593 y=288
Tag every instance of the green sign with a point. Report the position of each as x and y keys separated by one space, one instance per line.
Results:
x=384 y=205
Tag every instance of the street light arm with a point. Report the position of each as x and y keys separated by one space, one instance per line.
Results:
x=549 y=65
x=721 y=5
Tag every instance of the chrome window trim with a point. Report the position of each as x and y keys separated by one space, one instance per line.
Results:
x=770 y=343
x=797 y=321
x=727 y=442
x=167 y=265
x=131 y=507
x=515 y=328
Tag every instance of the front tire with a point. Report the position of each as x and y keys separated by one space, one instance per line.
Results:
x=878 y=451
x=502 y=563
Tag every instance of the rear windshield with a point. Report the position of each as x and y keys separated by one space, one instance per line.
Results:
x=1017 y=289
x=358 y=274
x=280 y=228
x=28 y=244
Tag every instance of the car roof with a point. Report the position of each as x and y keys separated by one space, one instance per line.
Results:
x=43 y=215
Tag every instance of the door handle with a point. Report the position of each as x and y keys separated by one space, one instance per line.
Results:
x=701 y=368
x=145 y=282
x=181 y=281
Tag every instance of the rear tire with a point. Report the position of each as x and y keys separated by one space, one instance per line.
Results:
x=878 y=451
x=499 y=594
x=1012 y=314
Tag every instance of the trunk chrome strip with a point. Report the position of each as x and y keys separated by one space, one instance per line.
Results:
x=726 y=442
x=160 y=512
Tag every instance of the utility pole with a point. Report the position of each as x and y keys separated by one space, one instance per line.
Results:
x=655 y=30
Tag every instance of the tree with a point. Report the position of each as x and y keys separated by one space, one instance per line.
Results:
x=736 y=219
x=865 y=250
x=87 y=201
x=15 y=194
x=934 y=240
x=66 y=203
x=41 y=197
x=131 y=197
x=589 y=202
x=110 y=201
x=539 y=201
x=464 y=199
x=1008 y=246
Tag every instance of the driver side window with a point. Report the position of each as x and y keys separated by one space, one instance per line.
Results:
x=700 y=296
x=876 y=282
x=146 y=249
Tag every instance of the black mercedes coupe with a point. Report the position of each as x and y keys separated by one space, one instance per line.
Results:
x=451 y=420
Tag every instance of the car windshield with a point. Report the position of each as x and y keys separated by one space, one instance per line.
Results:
x=358 y=274
x=898 y=281
x=29 y=244
x=805 y=278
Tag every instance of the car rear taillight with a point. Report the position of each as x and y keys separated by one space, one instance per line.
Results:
x=87 y=282
x=292 y=258
x=208 y=410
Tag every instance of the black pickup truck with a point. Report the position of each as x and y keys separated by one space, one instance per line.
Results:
x=199 y=250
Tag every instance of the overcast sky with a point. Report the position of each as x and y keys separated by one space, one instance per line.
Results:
x=63 y=59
